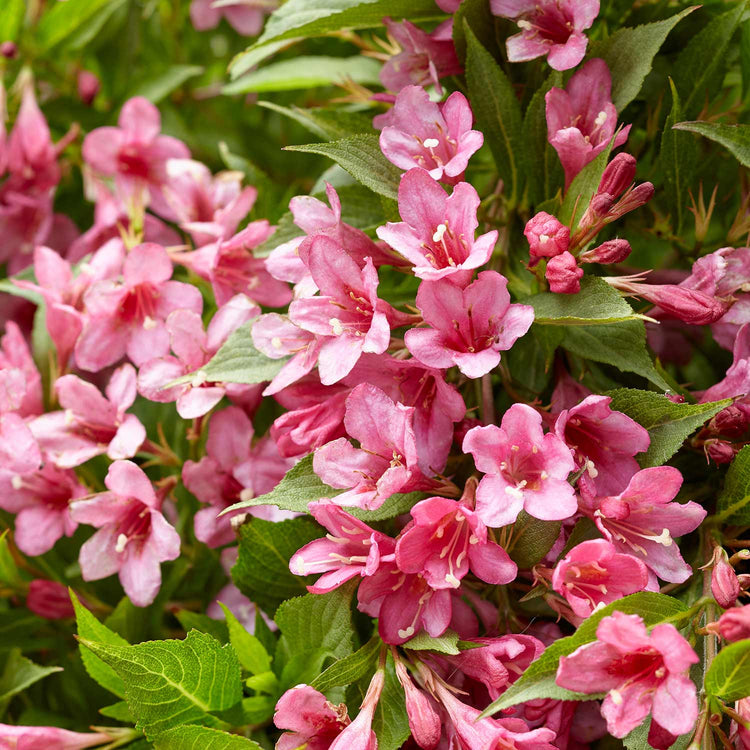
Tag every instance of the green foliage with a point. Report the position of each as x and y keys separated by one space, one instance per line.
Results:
x=202 y=738
x=532 y=539
x=732 y=506
x=582 y=189
x=390 y=723
x=447 y=643
x=250 y=651
x=735 y=138
x=728 y=677
x=20 y=673
x=351 y=668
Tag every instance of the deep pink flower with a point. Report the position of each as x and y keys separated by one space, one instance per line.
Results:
x=734 y=624
x=424 y=58
x=49 y=599
x=603 y=442
x=421 y=709
x=91 y=424
x=128 y=316
x=642 y=673
x=244 y=16
x=581 y=119
x=133 y=537
x=547 y=237
x=46 y=738
x=359 y=735
x=437 y=234
x=725 y=586
x=524 y=469
x=609 y=252
x=20 y=381
x=548 y=27
x=642 y=520
x=135 y=154
x=435 y=137
x=563 y=274
x=312 y=721
x=736 y=382
x=593 y=574
x=469 y=327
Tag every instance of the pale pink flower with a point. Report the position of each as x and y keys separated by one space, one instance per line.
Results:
x=524 y=469
x=436 y=137
x=548 y=27
x=244 y=16
x=437 y=231
x=581 y=119
x=312 y=722
x=469 y=327
x=19 y=450
x=47 y=738
x=133 y=537
x=20 y=381
x=642 y=673
x=91 y=424
x=49 y=599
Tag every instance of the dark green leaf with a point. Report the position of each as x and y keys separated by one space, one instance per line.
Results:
x=161 y=86
x=532 y=539
x=478 y=16
x=735 y=138
x=734 y=501
x=20 y=673
x=390 y=723
x=582 y=189
x=205 y=624
x=329 y=124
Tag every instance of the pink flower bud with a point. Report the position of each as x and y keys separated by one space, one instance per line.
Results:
x=612 y=251
x=49 y=599
x=424 y=720
x=88 y=86
x=618 y=176
x=734 y=624
x=563 y=274
x=547 y=236
x=733 y=421
x=719 y=451
x=675 y=398
x=724 y=584
x=635 y=198
x=596 y=212
x=8 y=50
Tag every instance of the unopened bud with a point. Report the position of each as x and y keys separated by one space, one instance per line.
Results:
x=724 y=584
x=88 y=86
x=49 y=600
x=635 y=198
x=612 y=251
x=424 y=720
x=734 y=624
x=618 y=175
x=732 y=421
x=8 y=50
x=563 y=274
x=719 y=451
x=547 y=236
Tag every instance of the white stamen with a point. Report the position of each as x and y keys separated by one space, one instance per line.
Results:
x=473 y=539
x=601 y=118
x=199 y=378
x=16 y=482
x=431 y=142
x=524 y=24
x=149 y=323
x=616 y=697
x=439 y=232
x=514 y=492
x=336 y=326
x=452 y=580
x=593 y=472
x=122 y=542
x=408 y=633
x=276 y=342
x=543 y=238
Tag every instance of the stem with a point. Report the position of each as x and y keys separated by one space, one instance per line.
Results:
x=488 y=400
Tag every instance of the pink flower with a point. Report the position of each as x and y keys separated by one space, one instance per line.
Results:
x=244 y=16
x=437 y=234
x=194 y=348
x=444 y=540
x=88 y=85
x=548 y=27
x=642 y=521
x=469 y=327
x=424 y=58
x=736 y=382
x=611 y=251
x=435 y=137
x=128 y=316
x=312 y=721
x=642 y=673
x=359 y=734
x=19 y=450
x=135 y=154
x=49 y=599
x=581 y=119
x=91 y=424
x=593 y=574
x=524 y=469
x=46 y=738
x=734 y=624
x=603 y=442
x=133 y=537
x=563 y=274
x=20 y=381
x=725 y=586
x=421 y=709
x=547 y=237
x=385 y=464
x=40 y=499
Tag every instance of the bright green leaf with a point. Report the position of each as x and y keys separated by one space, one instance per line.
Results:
x=447 y=643
x=728 y=677
x=197 y=621
x=65 y=20
x=119 y=712
x=202 y=738
x=11 y=19
x=9 y=573
x=20 y=673
x=351 y=668
x=253 y=657
x=329 y=124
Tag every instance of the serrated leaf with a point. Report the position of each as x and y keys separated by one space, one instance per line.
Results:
x=361 y=157
x=447 y=643
x=349 y=669
x=629 y=54
x=118 y=711
x=253 y=657
x=538 y=681
x=161 y=86
x=668 y=424
x=20 y=673
x=728 y=677
x=734 y=501
x=478 y=16
x=202 y=738
x=498 y=114
x=329 y=124
x=170 y=682
x=205 y=624
x=735 y=138
x=582 y=189
x=532 y=539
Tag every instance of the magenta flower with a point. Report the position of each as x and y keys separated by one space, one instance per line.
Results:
x=244 y=16
x=351 y=548
x=548 y=27
x=594 y=574
x=436 y=137
x=135 y=154
x=49 y=599
x=603 y=442
x=91 y=424
x=385 y=464
x=312 y=722
x=524 y=469
x=127 y=316
x=133 y=537
x=20 y=381
x=437 y=234
x=469 y=327
x=421 y=709
x=725 y=585
x=46 y=738
x=642 y=673
x=445 y=539
x=581 y=119
x=642 y=521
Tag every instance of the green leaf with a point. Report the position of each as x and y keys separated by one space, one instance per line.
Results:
x=629 y=54
x=391 y=723
x=329 y=124
x=444 y=644
x=478 y=16
x=64 y=20
x=360 y=155
x=90 y=629
x=582 y=189
x=638 y=738
x=735 y=138
x=734 y=499
x=622 y=345
x=351 y=668
x=9 y=574
x=498 y=114
x=205 y=624
x=728 y=677
x=532 y=539
x=538 y=681
x=668 y=424
x=262 y=569
x=11 y=19
x=596 y=304
x=119 y=712
x=161 y=86
x=20 y=673
x=168 y=683
x=745 y=56
x=253 y=657
x=202 y=738
x=305 y=73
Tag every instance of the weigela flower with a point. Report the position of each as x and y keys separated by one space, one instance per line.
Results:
x=469 y=327
x=642 y=673
x=594 y=574
x=45 y=738
x=547 y=237
x=524 y=469
x=91 y=424
x=133 y=537
x=436 y=137
x=725 y=585
x=581 y=119
x=49 y=599
x=734 y=624
x=20 y=381
x=611 y=251
x=128 y=315
x=359 y=735
x=548 y=27
x=421 y=710
x=563 y=274
x=736 y=382
x=19 y=450
x=312 y=722
x=244 y=16
x=437 y=234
